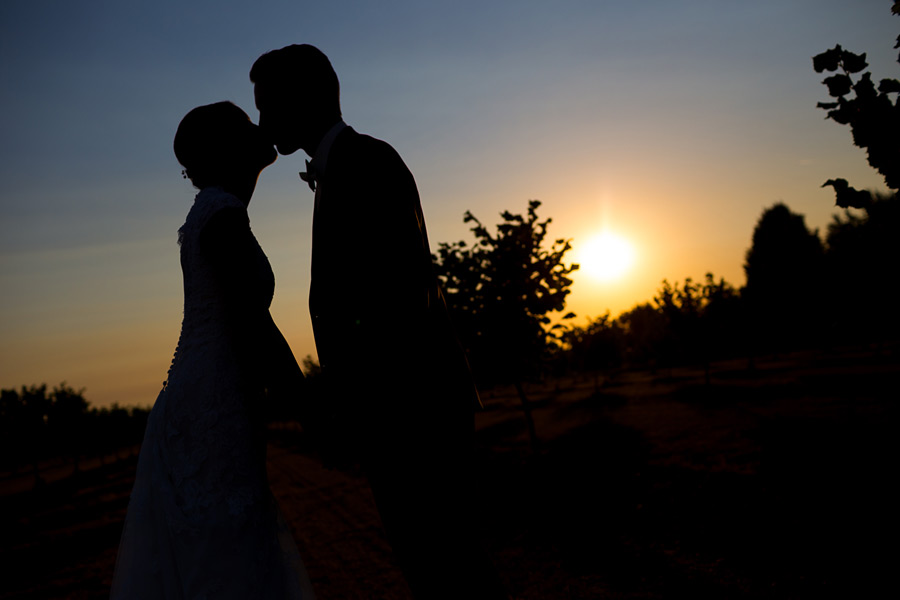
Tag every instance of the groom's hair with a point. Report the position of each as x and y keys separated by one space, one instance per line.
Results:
x=297 y=69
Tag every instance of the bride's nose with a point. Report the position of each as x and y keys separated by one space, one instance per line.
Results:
x=264 y=122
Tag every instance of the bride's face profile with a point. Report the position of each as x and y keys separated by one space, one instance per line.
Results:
x=220 y=146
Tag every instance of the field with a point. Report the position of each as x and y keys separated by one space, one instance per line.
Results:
x=771 y=482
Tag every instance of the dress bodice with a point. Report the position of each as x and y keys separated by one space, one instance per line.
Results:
x=205 y=305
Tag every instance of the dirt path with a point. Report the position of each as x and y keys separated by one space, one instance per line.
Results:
x=764 y=484
x=337 y=528
x=60 y=541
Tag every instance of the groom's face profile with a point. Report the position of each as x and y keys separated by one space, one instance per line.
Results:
x=282 y=118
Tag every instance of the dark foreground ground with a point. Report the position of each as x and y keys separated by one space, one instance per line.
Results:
x=771 y=483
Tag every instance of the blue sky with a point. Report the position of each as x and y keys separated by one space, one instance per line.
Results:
x=672 y=123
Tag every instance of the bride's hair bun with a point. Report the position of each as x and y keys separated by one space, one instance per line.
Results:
x=204 y=141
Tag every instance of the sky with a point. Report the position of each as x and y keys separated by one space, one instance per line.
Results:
x=673 y=124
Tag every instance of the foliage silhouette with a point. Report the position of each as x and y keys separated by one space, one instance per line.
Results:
x=871 y=113
x=862 y=253
x=66 y=418
x=784 y=268
x=684 y=324
x=37 y=425
x=500 y=292
x=680 y=309
x=597 y=347
x=701 y=322
x=24 y=425
x=645 y=330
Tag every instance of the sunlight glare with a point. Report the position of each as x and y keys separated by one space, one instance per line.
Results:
x=606 y=256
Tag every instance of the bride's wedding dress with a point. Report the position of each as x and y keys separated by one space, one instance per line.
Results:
x=202 y=523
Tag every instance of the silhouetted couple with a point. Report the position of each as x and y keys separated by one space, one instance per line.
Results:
x=398 y=398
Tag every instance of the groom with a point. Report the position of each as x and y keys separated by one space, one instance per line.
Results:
x=399 y=386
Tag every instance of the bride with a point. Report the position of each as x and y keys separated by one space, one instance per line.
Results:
x=201 y=521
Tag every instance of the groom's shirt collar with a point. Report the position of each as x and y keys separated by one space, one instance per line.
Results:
x=320 y=160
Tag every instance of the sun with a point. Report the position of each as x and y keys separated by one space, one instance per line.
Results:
x=606 y=257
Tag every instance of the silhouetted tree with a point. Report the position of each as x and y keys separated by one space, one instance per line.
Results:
x=871 y=113
x=645 y=332
x=98 y=432
x=137 y=424
x=35 y=406
x=862 y=257
x=700 y=323
x=784 y=268
x=724 y=323
x=66 y=420
x=597 y=347
x=36 y=425
x=685 y=323
x=12 y=418
x=501 y=291
x=119 y=431
x=116 y=427
x=680 y=308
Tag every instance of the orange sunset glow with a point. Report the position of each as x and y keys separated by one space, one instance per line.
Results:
x=654 y=139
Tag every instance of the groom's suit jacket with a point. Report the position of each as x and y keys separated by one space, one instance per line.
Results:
x=382 y=332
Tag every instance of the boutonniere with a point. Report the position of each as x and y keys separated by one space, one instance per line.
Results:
x=310 y=175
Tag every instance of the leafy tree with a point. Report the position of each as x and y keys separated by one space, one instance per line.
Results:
x=501 y=292
x=684 y=323
x=872 y=114
x=700 y=322
x=115 y=427
x=645 y=332
x=784 y=269
x=66 y=419
x=596 y=347
x=32 y=428
x=724 y=324
x=119 y=431
x=36 y=425
x=12 y=418
x=680 y=309
x=862 y=251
